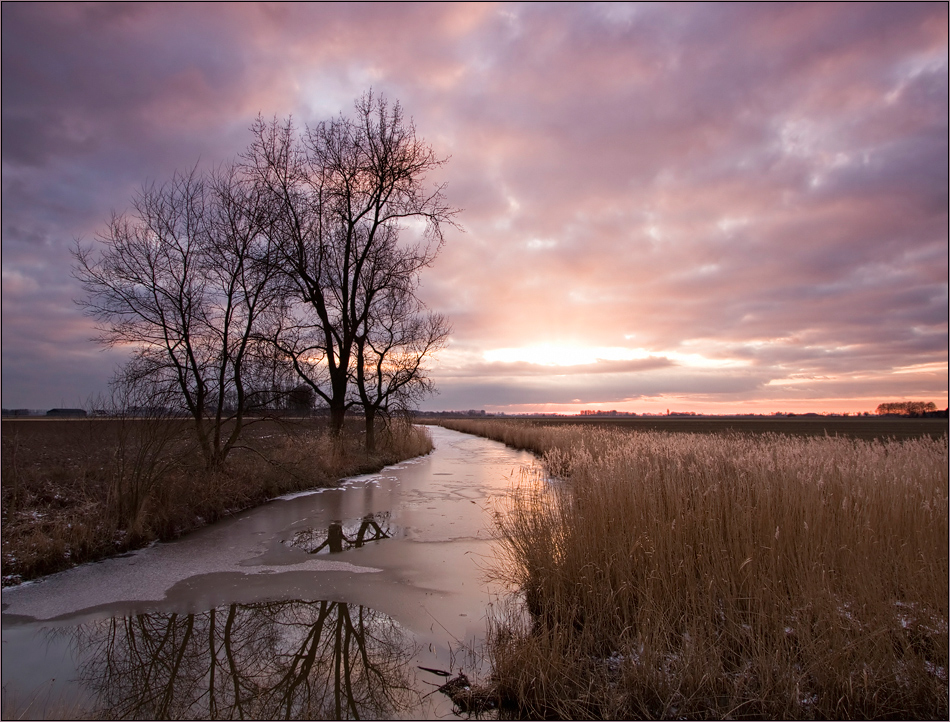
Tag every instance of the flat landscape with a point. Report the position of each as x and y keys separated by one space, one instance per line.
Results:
x=596 y=351
x=857 y=427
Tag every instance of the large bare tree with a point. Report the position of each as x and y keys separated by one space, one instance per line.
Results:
x=344 y=190
x=182 y=280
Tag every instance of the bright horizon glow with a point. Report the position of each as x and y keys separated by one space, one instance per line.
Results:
x=679 y=404
x=557 y=355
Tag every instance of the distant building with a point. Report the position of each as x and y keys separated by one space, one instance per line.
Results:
x=18 y=412
x=73 y=413
x=611 y=412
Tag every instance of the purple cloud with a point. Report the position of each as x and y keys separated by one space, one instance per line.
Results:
x=752 y=200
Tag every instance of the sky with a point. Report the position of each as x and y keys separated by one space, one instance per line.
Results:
x=721 y=208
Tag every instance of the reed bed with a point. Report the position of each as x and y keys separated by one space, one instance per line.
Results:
x=76 y=491
x=724 y=576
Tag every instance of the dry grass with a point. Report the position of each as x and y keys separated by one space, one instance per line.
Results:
x=75 y=491
x=715 y=576
x=854 y=427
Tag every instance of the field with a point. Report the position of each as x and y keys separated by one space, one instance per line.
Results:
x=79 y=490
x=858 y=427
x=723 y=575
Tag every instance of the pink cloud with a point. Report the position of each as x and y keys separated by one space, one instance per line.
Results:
x=766 y=184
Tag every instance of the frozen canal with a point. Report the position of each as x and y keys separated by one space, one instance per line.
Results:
x=315 y=605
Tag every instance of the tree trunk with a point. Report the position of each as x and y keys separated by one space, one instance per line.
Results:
x=337 y=415
x=370 y=429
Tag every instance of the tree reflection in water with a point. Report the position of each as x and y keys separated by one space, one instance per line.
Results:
x=270 y=660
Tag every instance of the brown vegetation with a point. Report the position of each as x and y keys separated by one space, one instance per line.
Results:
x=856 y=427
x=713 y=576
x=79 y=490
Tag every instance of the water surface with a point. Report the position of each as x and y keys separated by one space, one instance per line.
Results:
x=314 y=605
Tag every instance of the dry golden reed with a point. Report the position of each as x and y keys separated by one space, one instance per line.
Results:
x=713 y=576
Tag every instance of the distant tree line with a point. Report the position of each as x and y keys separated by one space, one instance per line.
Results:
x=281 y=279
x=906 y=408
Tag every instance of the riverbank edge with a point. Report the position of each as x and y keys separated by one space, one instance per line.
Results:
x=56 y=535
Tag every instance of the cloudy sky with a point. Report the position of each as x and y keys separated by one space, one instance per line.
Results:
x=719 y=208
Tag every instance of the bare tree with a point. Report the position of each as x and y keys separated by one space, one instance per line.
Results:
x=182 y=280
x=342 y=191
x=146 y=429
x=225 y=285
x=399 y=335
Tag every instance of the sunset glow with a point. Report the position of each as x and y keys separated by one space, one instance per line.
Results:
x=717 y=208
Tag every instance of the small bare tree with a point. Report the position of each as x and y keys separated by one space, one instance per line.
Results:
x=396 y=339
x=182 y=281
x=146 y=430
